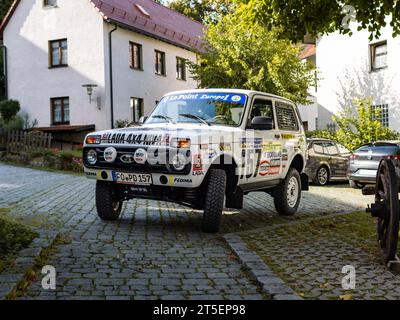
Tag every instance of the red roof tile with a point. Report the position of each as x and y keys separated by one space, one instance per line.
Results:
x=147 y=17
x=153 y=19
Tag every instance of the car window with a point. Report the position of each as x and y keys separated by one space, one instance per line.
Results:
x=318 y=147
x=342 y=149
x=286 y=117
x=261 y=108
x=330 y=149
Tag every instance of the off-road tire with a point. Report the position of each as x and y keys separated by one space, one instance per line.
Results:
x=214 y=201
x=280 y=195
x=107 y=203
x=316 y=179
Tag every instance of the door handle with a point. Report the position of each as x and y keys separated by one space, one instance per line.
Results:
x=277 y=136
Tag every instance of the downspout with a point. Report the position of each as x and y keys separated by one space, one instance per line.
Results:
x=111 y=75
x=5 y=73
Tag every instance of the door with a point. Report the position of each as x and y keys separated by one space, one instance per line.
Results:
x=344 y=156
x=334 y=158
x=262 y=149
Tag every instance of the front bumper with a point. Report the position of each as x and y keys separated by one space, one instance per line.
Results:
x=159 y=179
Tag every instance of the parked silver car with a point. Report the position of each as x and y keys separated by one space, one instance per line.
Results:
x=364 y=162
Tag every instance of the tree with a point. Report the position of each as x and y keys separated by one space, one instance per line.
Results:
x=201 y=10
x=360 y=125
x=297 y=18
x=248 y=56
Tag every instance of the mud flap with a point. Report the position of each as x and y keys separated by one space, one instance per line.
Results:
x=235 y=200
x=304 y=182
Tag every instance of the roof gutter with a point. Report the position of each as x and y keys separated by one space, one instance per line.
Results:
x=111 y=74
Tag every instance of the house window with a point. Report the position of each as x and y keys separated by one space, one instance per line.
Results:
x=136 y=56
x=49 y=3
x=58 y=53
x=378 y=52
x=160 y=63
x=180 y=68
x=137 y=109
x=384 y=114
x=60 y=111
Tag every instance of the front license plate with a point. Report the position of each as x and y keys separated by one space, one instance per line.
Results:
x=139 y=179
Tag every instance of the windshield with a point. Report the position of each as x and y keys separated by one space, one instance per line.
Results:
x=203 y=108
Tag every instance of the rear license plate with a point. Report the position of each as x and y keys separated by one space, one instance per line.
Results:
x=365 y=172
x=139 y=179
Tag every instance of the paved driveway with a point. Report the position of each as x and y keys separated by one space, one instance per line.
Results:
x=156 y=250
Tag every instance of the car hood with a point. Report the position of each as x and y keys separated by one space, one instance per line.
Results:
x=156 y=134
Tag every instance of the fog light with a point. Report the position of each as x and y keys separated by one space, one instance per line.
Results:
x=91 y=157
x=179 y=162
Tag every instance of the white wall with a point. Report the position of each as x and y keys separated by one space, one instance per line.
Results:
x=142 y=84
x=344 y=68
x=33 y=83
x=30 y=79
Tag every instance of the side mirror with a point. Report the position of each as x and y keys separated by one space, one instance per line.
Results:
x=262 y=123
x=142 y=120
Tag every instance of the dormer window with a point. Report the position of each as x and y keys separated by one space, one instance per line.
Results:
x=49 y=3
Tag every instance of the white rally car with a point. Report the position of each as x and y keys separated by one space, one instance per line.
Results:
x=204 y=149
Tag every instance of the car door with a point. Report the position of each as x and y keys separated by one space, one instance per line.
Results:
x=262 y=149
x=333 y=158
x=343 y=161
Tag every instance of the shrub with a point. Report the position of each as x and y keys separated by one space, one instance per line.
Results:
x=9 y=109
x=359 y=125
x=326 y=134
x=15 y=123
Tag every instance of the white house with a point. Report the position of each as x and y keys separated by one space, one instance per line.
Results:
x=130 y=52
x=350 y=67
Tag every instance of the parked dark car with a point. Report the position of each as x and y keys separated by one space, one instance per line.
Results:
x=327 y=161
x=364 y=162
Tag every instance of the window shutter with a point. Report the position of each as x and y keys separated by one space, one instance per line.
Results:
x=131 y=55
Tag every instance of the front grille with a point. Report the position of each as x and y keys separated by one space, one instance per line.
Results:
x=118 y=164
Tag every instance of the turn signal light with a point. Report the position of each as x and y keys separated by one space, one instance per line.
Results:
x=93 y=140
x=180 y=143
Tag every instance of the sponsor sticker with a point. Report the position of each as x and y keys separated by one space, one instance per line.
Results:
x=110 y=154
x=197 y=162
x=140 y=156
x=217 y=96
x=255 y=143
x=264 y=168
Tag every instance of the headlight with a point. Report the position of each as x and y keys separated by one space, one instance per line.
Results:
x=179 y=162
x=91 y=157
x=180 y=143
x=93 y=140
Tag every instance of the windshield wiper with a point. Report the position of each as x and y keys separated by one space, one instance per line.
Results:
x=159 y=116
x=192 y=116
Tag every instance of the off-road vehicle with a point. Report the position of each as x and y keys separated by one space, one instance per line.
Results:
x=204 y=149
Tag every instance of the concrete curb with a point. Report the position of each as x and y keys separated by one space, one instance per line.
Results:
x=269 y=282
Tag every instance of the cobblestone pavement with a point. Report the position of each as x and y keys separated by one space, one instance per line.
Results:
x=310 y=255
x=156 y=250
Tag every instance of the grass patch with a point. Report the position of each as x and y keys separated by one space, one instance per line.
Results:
x=46 y=169
x=14 y=236
x=32 y=273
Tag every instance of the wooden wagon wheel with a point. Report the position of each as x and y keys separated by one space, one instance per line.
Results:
x=386 y=210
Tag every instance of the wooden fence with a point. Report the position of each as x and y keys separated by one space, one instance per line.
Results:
x=24 y=141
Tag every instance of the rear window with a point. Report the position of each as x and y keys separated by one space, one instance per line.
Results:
x=286 y=117
x=386 y=149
